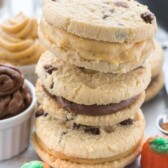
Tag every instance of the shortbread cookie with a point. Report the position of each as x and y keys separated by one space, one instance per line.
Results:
x=89 y=145
x=154 y=87
x=103 y=20
x=58 y=163
x=88 y=87
x=95 y=55
x=156 y=59
x=52 y=106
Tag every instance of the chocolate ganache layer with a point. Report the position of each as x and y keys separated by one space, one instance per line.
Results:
x=15 y=97
x=92 y=110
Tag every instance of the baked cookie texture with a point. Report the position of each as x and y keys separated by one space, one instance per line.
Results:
x=58 y=163
x=73 y=143
x=100 y=56
x=112 y=20
x=88 y=87
x=156 y=63
x=52 y=107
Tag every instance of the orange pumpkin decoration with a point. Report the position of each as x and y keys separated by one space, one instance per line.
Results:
x=155 y=153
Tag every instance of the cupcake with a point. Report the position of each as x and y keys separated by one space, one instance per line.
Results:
x=17 y=103
x=19 y=43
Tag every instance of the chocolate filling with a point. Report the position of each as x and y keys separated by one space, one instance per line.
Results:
x=92 y=110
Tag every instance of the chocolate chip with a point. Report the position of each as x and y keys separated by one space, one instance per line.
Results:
x=52 y=85
x=45 y=114
x=112 y=10
x=87 y=129
x=49 y=68
x=147 y=17
x=76 y=126
x=39 y=113
x=91 y=130
x=105 y=16
x=121 y=4
x=127 y=122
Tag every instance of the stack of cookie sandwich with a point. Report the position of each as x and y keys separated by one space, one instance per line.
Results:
x=92 y=82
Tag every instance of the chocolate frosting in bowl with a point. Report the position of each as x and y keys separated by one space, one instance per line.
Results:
x=15 y=97
x=92 y=110
x=11 y=79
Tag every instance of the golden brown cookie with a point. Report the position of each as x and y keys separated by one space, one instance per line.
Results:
x=88 y=87
x=102 y=20
x=85 y=146
x=95 y=55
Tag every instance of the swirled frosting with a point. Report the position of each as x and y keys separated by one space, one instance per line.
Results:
x=14 y=95
x=19 y=44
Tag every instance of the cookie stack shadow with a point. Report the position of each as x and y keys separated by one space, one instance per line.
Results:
x=92 y=82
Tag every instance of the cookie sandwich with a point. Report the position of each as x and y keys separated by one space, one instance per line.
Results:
x=92 y=82
x=107 y=36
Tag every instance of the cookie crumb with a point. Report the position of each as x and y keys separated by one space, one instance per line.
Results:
x=147 y=17
x=121 y=4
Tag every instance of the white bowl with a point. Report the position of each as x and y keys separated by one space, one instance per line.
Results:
x=160 y=120
x=15 y=131
x=29 y=72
